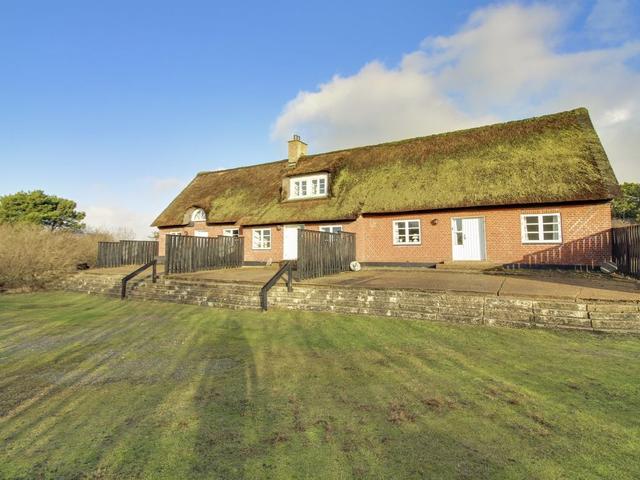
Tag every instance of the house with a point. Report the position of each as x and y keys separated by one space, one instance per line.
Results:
x=534 y=191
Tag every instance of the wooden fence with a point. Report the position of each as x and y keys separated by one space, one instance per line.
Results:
x=190 y=254
x=626 y=249
x=126 y=252
x=324 y=253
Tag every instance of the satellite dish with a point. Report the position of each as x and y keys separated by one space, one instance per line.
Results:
x=355 y=266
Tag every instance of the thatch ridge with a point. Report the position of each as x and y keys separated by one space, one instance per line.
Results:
x=548 y=159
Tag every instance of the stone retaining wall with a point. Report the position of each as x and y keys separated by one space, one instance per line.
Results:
x=447 y=307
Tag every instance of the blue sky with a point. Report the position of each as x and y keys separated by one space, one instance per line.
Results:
x=118 y=104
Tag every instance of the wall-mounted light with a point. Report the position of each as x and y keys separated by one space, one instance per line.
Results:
x=434 y=221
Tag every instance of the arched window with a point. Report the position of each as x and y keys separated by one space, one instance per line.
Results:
x=198 y=215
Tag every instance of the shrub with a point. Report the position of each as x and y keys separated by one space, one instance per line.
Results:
x=31 y=256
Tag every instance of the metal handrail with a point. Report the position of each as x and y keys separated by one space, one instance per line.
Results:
x=153 y=263
x=288 y=268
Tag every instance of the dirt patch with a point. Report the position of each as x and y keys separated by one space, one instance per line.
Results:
x=298 y=426
x=326 y=427
x=539 y=420
x=505 y=394
x=439 y=403
x=278 y=438
x=399 y=413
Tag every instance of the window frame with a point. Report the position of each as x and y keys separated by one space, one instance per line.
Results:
x=304 y=184
x=523 y=228
x=198 y=211
x=253 y=239
x=225 y=230
x=330 y=227
x=201 y=233
x=406 y=222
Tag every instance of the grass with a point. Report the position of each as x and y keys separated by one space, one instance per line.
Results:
x=97 y=388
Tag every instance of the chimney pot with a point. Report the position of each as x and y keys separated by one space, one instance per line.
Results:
x=297 y=148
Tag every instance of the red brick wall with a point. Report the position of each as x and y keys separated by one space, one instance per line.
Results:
x=585 y=236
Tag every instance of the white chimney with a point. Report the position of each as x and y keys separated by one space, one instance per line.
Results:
x=297 y=148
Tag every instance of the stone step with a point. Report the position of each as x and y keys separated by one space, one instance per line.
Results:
x=459 y=265
x=413 y=304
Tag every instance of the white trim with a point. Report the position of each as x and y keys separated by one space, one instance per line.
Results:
x=523 y=231
x=404 y=244
x=225 y=232
x=483 y=236
x=290 y=240
x=253 y=239
x=308 y=179
x=200 y=233
x=200 y=214
x=329 y=227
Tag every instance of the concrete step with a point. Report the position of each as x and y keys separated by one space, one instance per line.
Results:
x=468 y=266
x=421 y=305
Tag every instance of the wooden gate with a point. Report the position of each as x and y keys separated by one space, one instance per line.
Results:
x=126 y=252
x=626 y=249
x=324 y=253
x=189 y=254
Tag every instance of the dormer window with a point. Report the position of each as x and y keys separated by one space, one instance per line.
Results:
x=198 y=215
x=308 y=186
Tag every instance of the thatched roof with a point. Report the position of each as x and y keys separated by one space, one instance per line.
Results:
x=549 y=159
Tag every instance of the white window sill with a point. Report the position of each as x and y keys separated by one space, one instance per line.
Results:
x=307 y=197
x=260 y=248
x=541 y=242
x=408 y=244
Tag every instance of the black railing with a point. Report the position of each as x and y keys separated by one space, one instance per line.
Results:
x=264 y=291
x=186 y=254
x=324 y=253
x=154 y=277
x=626 y=249
x=126 y=252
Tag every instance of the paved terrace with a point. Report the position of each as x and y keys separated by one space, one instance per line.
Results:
x=544 y=284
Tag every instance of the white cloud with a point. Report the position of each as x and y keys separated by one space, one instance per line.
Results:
x=169 y=184
x=377 y=104
x=118 y=220
x=108 y=211
x=505 y=62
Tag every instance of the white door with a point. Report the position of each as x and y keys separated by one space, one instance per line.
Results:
x=467 y=238
x=290 y=242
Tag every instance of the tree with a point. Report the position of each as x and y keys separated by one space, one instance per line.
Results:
x=39 y=208
x=627 y=205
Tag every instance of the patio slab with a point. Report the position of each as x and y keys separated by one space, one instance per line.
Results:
x=550 y=284
x=533 y=284
x=259 y=275
x=422 y=279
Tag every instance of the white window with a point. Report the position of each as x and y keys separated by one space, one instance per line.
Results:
x=198 y=215
x=200 y=233
x=406 y=232
x=308 y=186
x=541 y=228
x=261 y=239
x=231 y=232
x=174 y=233
x=331 y=228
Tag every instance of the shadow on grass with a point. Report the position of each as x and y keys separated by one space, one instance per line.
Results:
x=224 y=404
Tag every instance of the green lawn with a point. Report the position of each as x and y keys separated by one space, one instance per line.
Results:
x=98 y=388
